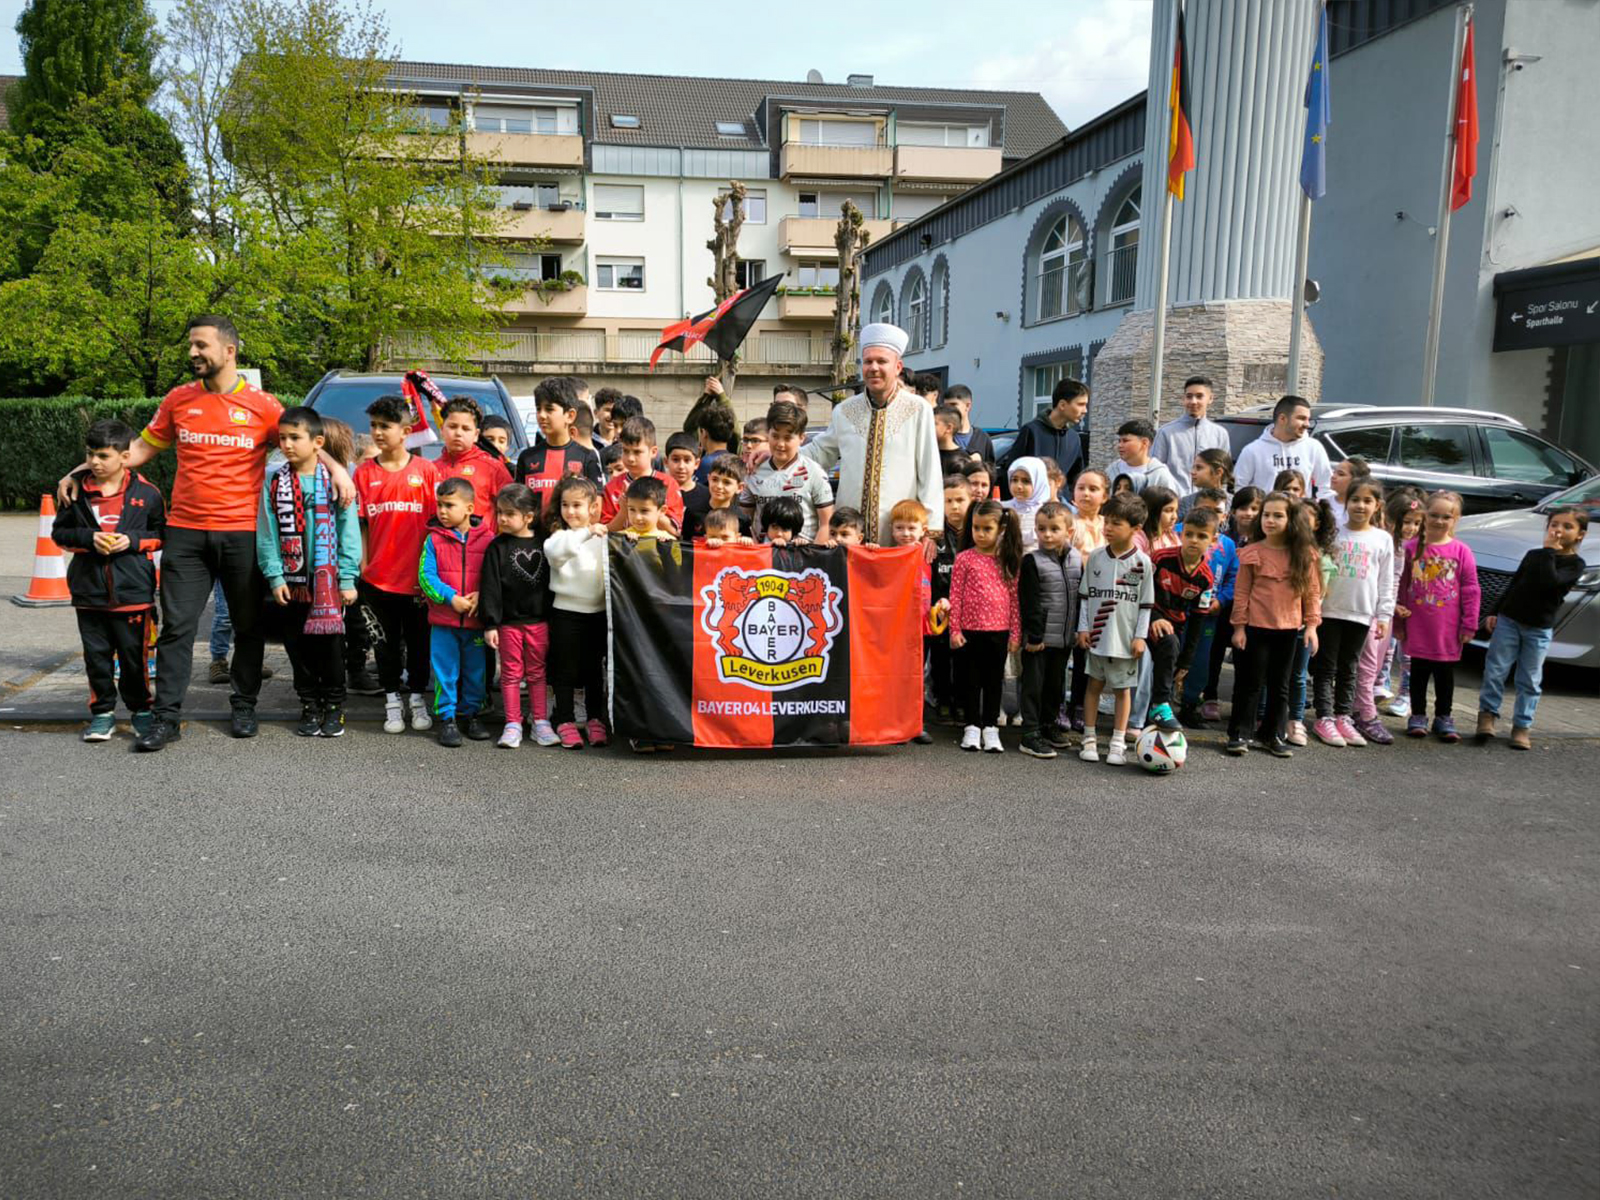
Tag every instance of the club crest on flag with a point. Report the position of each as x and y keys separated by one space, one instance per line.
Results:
x=773 y=630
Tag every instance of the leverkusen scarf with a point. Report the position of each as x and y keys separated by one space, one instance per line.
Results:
x=312 y=577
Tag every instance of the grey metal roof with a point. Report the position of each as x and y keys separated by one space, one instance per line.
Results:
x=675 y=110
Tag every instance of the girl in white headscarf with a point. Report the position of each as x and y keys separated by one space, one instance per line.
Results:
x=1030 y=488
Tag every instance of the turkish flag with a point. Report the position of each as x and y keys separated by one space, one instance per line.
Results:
x=1466 y=148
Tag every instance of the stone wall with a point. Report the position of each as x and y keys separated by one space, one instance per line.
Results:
x=1241 y=344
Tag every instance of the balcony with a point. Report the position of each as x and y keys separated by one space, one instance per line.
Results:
x=812 y=236
x=559 y=301
x=802 y=307
x=528 y=149
x=836 y=162
x=556 y=225
x=954 y=164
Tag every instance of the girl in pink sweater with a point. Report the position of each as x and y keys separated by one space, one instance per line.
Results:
x=984 y=622
x=1437 y=604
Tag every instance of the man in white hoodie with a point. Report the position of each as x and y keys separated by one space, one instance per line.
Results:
x=1286 y=446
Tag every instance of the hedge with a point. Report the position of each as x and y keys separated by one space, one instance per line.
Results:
x=42 y=439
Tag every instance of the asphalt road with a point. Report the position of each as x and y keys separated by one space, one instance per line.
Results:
x=376 y=968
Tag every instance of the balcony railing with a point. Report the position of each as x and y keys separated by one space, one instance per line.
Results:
x=529 y=347
x=957 y=164
x=1124 y=268
x=849 y=162
x=528 y=149
x=1062 y=290
x=814 y=235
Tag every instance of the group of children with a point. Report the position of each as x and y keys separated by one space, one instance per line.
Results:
x=1037 y=607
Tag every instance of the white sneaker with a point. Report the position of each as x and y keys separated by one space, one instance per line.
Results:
x=545 y=734
x=1400 y=706
x=970 y=738
x=1116 y=755
x=1297 y=733
x=1090 y=752
x=991 y=741
x=394 y=719
x=510 y=736
x=417 y=706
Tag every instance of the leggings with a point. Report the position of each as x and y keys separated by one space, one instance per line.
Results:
x=1373 y=653
x=1267 y=659
x=522 y=655
x=1339 y=647
x=1443 y=675
x=985 y=657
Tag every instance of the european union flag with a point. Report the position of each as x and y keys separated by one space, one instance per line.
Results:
x=1314 y=158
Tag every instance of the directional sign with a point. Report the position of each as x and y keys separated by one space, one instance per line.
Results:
x=1536 y=312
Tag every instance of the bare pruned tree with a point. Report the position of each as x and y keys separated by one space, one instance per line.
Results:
x=727 y=221
x=850 y=239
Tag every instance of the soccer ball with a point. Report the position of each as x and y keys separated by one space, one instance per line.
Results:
x=1161 y=752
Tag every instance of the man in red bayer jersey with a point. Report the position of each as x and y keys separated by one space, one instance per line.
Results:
x=223 y=430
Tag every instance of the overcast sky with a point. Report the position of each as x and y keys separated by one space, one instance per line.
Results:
x=1083 y=55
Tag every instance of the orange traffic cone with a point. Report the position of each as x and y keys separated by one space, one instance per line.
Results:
x=49 y=586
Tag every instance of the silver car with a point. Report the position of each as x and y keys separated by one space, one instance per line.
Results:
x=1499 y=540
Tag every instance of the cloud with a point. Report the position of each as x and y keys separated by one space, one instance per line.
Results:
x=1100 y=59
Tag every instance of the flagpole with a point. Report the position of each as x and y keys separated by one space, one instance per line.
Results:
x=1441 y=245
x=1301 y=266
x=1158 y=335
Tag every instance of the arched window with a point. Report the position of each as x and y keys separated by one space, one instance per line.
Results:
x=1124 y=265
x=1062 y=266
x=938 y=303
x=916 y=311
x=883 y=305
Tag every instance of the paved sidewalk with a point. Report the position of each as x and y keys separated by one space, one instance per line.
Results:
x=41 y=669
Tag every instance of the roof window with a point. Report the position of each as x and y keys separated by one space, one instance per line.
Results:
x=624 y=121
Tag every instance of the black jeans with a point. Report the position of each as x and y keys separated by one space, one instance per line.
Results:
x=1333 y=671
x=397 y=627
x=191 y=560
x=109 y=638
x=1164 y=655
x=1443 y=675
x=941 y=671
x=985 y=658
x=1044 y=686
x=577 y=659
x=1267 y=658
x=317 y=659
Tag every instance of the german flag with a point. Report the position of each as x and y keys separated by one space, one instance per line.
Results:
x=1180 y=138
x=723 y=328
x=758 y=646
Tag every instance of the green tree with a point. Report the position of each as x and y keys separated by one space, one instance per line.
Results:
x=78 y=49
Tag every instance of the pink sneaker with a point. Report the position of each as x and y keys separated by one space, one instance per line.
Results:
x=1349 y=732
x=597 y=732
x=1211 y=710
x=1327 y=731
x=571 y=739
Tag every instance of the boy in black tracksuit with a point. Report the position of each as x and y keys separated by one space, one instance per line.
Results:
x=1047 y=596
x=110 y=531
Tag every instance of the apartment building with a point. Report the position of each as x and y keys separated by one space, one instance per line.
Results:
x=612 y=183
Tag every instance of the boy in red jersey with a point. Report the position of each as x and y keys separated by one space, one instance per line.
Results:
x=638 y=442
x=460 y=422
x=557 y=454
x=395 y=497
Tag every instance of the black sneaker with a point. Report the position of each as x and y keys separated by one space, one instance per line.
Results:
x=310 y=722
x=449 y=733
x=161 y=732
x=333 y=722
x=244 y=723
x=1035 y=746
x=363 y=682
x=923 y=738
x=1192 y=718
x=1279 y=748
x=477 y=730
x=1060 y=737
x=1237 y=746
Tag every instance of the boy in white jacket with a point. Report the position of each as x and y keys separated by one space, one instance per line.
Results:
x=575 y=551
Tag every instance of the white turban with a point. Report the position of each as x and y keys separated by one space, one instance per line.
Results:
x=882 y=334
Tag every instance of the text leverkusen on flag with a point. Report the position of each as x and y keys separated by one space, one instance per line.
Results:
x=758 y=646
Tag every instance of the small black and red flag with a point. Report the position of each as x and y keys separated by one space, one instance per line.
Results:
x=722 y=328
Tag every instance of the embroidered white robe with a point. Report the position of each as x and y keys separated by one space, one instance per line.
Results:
x=884 y=455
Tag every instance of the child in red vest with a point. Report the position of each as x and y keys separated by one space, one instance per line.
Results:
x=452 y=562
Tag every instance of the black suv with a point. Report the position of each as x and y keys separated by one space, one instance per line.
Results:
x=1492 y=460
x=345 y=395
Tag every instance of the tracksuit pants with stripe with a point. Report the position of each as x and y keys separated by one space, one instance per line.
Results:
x=457 y=658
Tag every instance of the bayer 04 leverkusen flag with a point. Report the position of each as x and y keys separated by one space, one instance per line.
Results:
x=754 y=646
x=723 y=328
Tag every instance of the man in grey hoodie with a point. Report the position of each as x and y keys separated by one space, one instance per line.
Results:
x=1286 y=446
x=1177 y=442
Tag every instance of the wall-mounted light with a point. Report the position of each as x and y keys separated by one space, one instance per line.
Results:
x=1002 y=316
x=1517 y=61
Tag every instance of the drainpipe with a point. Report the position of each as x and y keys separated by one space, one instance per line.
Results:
x=894 y=137
x=682 y=295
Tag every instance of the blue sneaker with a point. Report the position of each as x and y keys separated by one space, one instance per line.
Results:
x=100 y=728
x=1417 y=726
x=142 y=721
x=1444 y=728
